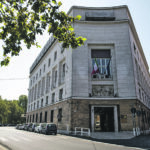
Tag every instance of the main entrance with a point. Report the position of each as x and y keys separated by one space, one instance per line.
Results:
x=104 y=119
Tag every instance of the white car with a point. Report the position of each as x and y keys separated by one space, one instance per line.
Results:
x=39 y=128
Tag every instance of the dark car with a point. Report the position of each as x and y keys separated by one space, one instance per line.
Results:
x=49 y=128
x=28 y=126
x=32 y=128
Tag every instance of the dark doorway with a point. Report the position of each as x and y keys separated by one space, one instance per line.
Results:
x=36 y=117
x=103 y=119
x=45 y=116
x=40 y=117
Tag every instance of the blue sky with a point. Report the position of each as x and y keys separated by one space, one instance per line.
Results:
x=19 y=66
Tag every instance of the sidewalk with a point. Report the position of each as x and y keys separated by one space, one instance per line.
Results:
x=112 y=135
x=142 y=141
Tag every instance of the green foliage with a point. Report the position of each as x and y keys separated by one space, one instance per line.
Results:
x=23 y=102
x=10 y=111
x=22 y=20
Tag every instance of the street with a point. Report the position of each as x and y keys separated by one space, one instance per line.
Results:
x=23 y=140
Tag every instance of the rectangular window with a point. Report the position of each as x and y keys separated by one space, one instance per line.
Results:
x=36 y=76
x=60 y=94
x=46 y=100
x=40 y=117
x=36 y=117
x=43 y=86
x=33 y=118
x=63 y=71
x=101 y=64
x=37 y=104
x=55 y=78
x=55 y=56
x=49 y=62
x=41 y=102
x=53 y=97
x=34 y=106
x=59 y=117
x=48 y=83
x=30 y=118
x=45 y=116
x=40 y=72
x=52 y=116
x=44 y=68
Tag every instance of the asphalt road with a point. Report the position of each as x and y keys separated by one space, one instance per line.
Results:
x=23 y=140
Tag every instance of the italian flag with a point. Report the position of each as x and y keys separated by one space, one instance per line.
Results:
x=95 y=68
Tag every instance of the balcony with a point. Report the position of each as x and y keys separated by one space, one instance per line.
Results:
x=98 y=76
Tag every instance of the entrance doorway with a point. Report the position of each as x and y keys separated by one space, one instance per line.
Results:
x=104 y=119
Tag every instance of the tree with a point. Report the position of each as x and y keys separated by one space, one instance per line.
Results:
x=14 y=116
x=4 y=111
x=23 y=102
x=22 y=20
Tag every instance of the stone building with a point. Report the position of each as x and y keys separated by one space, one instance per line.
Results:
x=103 y=85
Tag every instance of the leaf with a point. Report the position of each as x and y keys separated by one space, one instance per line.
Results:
x=59 y=3
x=78 y=17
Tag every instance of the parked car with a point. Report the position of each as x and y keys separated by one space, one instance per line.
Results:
x=39 y=128
x=32 y=128
x=49 y=128
x=18 y=125
x=27 y=126
x=21 y=127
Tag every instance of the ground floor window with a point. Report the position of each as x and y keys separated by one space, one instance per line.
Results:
x=52 y=116
x=41 y=117
x=45 y=116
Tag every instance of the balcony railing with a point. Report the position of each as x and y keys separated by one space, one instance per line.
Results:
x=101 y=77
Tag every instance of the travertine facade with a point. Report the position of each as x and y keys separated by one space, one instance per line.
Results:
x=63 y=88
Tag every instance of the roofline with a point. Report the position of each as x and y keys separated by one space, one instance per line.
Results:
x=133 y=29
x=94 y=8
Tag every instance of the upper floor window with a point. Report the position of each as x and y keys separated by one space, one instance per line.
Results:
x=34 y=106
x=60 y=94
x=49 y=62
x=101 y=64
x=40 y=72
x=48 y=83
x=33 y=79
x=55 y=56
x=134 y=47
x=46 y=100
x=36 y=76
x=54 y=78
x=53 y=97
x=62 y=73
x=37 y=104
x=41 y=102
x=44 y=68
